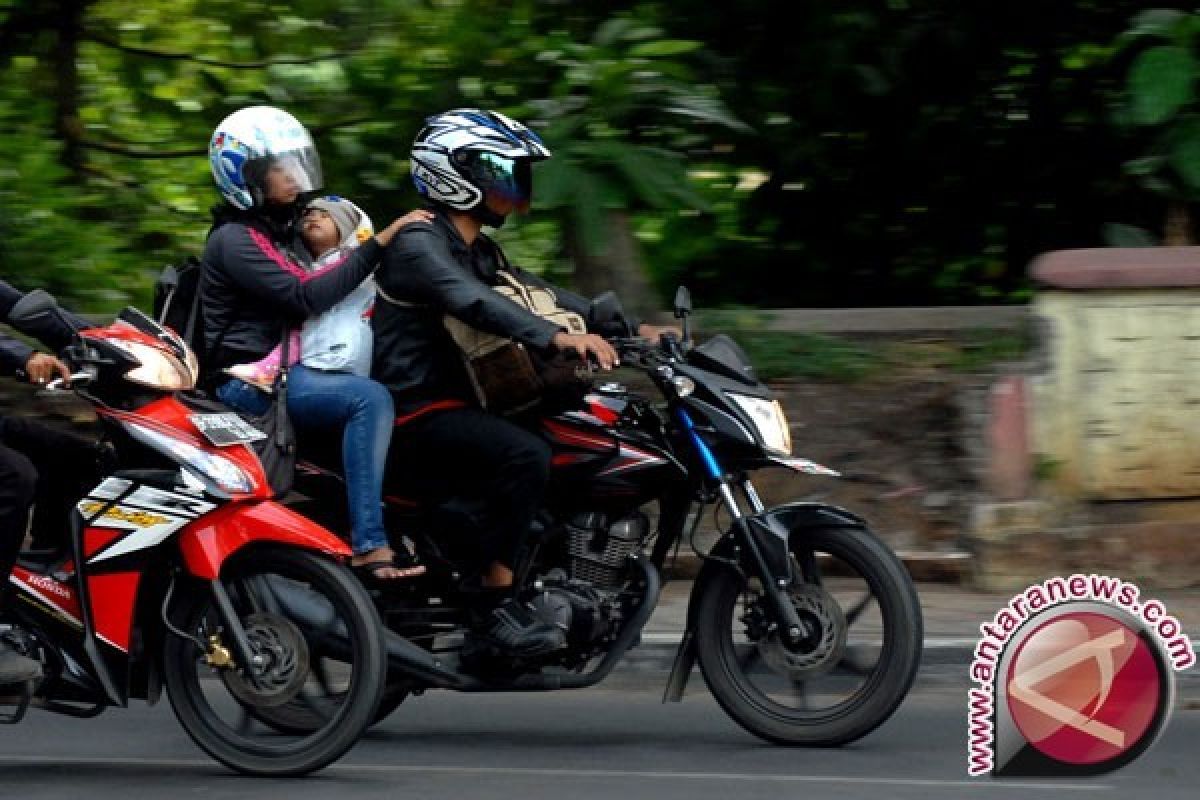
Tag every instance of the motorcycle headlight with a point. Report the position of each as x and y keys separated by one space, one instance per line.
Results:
x=157 y=369
x=227 y=475
x=769 y=421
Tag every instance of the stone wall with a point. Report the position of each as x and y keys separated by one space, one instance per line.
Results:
x=1094 y=446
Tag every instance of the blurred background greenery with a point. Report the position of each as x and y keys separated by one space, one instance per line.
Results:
x=845 y=153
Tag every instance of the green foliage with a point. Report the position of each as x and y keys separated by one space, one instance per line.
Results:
x=1046 y=468
x=863 y=153
x=1160 y=83
x=620 y=110
x=844 y=359
x=1160 y=102
x=981 y=349
x=811 y=356
x=1117 y=235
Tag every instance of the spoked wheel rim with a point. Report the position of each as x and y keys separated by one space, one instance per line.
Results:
x=843 y=655
x=314 y=647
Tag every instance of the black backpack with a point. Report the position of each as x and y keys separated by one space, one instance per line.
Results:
x=177 y=302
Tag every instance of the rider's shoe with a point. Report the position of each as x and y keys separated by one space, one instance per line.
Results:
x=16 y=668
x=514 y=630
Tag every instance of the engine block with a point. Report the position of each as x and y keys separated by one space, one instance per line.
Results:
x=599 y=550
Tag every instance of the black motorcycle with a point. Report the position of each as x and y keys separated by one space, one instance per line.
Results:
x=806 y=626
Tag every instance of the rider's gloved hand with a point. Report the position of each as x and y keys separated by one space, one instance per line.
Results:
x=587 y=345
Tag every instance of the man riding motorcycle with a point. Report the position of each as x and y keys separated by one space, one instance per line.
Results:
x=475 y=168
x=37 y=464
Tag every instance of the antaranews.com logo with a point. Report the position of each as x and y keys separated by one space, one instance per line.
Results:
x=1075 y=677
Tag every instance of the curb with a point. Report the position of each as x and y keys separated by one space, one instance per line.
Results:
x=923 y=566
x=656 y=653
x=940 y=654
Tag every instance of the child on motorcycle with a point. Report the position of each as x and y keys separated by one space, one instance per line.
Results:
x=339 y=341
x=256 y=286
x=330 y=227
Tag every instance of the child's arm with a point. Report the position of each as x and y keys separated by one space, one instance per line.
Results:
x=384 y=237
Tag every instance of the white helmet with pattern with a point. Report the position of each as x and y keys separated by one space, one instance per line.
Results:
x=461 y=156
x=253 y=141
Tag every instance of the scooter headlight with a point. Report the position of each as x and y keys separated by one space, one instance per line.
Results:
x=225 y=474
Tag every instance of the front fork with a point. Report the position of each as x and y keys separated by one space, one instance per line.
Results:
x=759 y=535
x=217 y=653
x=767 y=550
x=767 y=555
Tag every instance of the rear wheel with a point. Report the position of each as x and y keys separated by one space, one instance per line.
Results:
x=851 y=671
x=316 y=641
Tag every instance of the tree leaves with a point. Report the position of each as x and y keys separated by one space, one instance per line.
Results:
x=1120 y=235
x=1185 y=154
x=664 y=48
x=1161 y=81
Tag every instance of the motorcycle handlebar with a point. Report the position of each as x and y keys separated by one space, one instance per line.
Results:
x=644 y=352
x=77 y=378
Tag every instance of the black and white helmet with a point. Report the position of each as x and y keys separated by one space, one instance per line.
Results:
x=461 y=156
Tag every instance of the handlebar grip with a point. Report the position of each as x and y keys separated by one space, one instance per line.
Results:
x=76 y=378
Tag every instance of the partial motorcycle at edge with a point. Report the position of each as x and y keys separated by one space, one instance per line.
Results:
x=181 y=573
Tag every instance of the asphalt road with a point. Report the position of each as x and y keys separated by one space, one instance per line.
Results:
x=600 y=743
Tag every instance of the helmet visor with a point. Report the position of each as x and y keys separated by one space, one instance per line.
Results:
x=283 y=177
x=510 y=179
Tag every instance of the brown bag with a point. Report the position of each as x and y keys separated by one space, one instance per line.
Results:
x=504 y=375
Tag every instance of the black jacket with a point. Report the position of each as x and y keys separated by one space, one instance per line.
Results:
x=14 y=354
x=432 y=272
x=53 y=331
x=253 y=283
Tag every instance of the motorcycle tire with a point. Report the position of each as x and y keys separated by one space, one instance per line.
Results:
x=271 y=754
x=884 y=687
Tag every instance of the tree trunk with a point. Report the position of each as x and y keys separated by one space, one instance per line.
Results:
x=1178 y=229
x=618 y=267
x=68 y=127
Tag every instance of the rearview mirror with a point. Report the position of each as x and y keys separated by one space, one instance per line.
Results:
x=607 y=308
x=32 y=307
x=683 y=310
x=683 y=302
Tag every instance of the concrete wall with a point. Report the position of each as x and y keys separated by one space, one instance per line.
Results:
x=1109 y=432
x=1118 y=409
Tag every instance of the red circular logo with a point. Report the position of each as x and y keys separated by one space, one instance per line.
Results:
x=1084 y=688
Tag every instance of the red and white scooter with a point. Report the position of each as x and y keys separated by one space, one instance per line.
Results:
x=180 y=571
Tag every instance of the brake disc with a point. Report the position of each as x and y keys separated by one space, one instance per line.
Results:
x=821 y=651
x=284 y=651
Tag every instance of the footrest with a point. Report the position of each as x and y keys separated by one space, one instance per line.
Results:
x=20 y=700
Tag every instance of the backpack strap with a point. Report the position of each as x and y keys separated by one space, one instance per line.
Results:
x=282 y=440
x=194 y=311
x=168 y=279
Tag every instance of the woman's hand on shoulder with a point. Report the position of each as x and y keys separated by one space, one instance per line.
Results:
x=420 y=215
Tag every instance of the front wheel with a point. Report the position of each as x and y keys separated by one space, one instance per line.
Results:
x=316 y=641
x=854 y=666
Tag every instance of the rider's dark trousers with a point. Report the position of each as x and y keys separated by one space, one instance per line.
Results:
x=43 y=466
x=485 y=472
x=18 y=482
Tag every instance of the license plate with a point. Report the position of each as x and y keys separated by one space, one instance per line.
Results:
x=226 y=429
